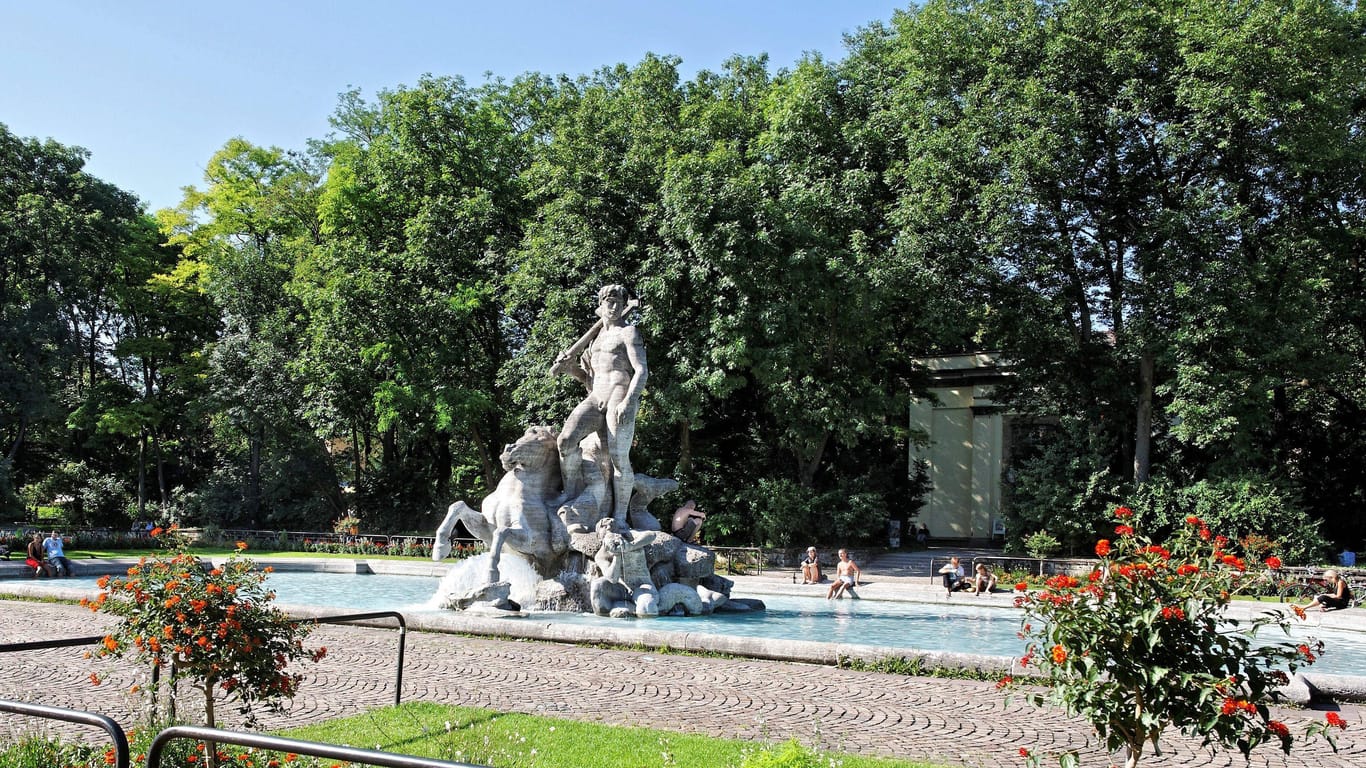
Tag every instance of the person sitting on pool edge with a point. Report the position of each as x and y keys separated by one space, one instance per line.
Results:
x=811 y=567
x=954 y=577
x=1340 y=597
x=846 y=577
x=983 y=580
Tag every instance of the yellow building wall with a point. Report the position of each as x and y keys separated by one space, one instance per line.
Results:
x=966 y=446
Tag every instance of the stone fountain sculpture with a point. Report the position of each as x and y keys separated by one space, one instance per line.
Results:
x=572 y=506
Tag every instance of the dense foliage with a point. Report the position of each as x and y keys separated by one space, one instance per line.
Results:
x=1154 y=210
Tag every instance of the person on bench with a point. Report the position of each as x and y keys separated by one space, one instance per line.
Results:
x=811 y=567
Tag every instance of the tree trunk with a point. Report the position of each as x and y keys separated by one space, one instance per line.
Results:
x=210 y=747
x=684 y=447
x=142 y=474
x=443 y=464
x=18 y=437
x=485 y=458
x=254 y=476
x=1143 y=430
x=162 y=491
x=355 y=459
x=808 y=467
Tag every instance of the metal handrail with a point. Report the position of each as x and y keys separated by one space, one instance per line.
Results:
x=402 y=636
x=37 y=645
x=296 y=746
x=122 y=754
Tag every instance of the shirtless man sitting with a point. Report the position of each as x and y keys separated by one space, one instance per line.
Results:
x=846 y=577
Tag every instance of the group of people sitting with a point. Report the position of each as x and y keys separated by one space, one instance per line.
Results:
x=847 y=574
x=47 y=557
x=956 y=578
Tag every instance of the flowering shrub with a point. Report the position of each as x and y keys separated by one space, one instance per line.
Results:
x=1142 y=643
x=214 y=628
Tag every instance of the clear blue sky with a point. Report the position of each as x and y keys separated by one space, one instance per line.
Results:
x=152 y=88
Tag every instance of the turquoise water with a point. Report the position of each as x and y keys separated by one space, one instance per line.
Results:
x=918 y=626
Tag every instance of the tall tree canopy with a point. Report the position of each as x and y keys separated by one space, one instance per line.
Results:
x=1153 y=210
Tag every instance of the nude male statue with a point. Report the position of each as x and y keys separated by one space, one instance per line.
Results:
x=614 y=371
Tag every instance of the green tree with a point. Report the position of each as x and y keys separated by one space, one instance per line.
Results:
x=406 y=334
x=245 y=232
x=1141 y=196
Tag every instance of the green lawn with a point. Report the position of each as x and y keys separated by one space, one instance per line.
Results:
x=478 y=737
x=484 y=737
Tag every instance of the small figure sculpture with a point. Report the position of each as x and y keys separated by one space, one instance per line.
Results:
x=615 y=372
x=624 y=586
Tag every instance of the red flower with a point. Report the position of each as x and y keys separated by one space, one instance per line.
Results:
x=95 y=678
x=1274 y=563
x=1021 y=587
x=1308 y=655
x=1278 y=728
x=1004 y=681
x=1123 y=513
x=1123 y=530
x=1186 y=569
x=1102 y=548
x=1024 y=752
x=1335 y=720
x=1193 y=520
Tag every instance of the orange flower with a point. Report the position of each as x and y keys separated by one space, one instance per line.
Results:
x=103 y=582
x=1102 y=548
x=157 y=531
x=1059 y=654
x=1298 y=611
x=95 y=678
x=241 y=545
x=110 y=644
x=1274 y=563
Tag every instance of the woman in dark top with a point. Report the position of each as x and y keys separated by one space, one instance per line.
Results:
x=1340 y=597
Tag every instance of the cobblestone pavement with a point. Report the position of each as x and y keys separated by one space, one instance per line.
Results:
x=957 y=722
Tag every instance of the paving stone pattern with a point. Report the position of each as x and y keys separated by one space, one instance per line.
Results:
x=957 y=722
